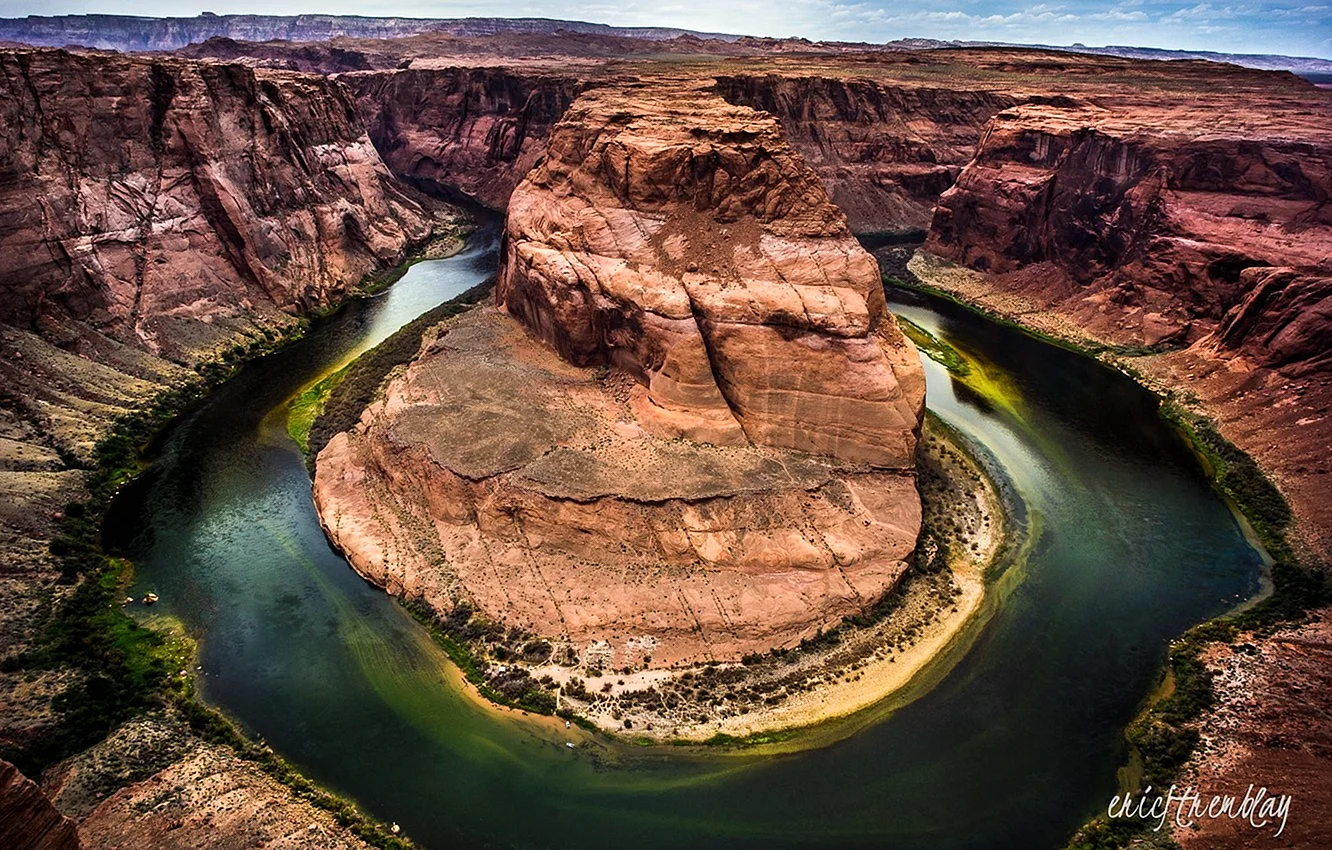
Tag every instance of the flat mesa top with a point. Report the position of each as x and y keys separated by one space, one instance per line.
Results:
x=487 y=399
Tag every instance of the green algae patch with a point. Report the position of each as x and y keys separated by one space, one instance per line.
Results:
x=934 y=348
x=968 y=368
x=308 y=406
x=334 y=403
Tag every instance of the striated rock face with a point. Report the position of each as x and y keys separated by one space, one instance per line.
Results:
x=884 y=150
x=679 y=238
x=475 y=129
x=741 y=477
x=28 y=821
x=1202 y=225
x=1156 y=224
x=169 y=204
x=152 y=211
x=495 y=473
x=1283 y=319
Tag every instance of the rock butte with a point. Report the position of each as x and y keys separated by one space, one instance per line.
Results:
x=678 y=237
x=741 y=477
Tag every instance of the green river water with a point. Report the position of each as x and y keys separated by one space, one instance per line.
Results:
x=1010 y=742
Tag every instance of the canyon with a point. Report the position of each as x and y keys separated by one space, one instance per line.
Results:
x=161 y=210
x=158 y=215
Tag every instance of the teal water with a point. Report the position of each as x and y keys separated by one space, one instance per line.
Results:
x=1014 y=746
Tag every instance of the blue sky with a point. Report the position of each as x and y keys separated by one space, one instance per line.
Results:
x=1293 y=27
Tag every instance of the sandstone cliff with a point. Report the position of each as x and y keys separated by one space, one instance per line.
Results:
x=743 y=474
x=885 y=150
x=1156 y=224
x=474 y=129
x=170 y=204
x=1198 y=223
x=679 y=238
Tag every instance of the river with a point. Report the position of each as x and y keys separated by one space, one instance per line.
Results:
x=1016 y=742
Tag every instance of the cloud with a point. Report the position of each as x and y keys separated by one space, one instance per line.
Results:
x=1117 y=15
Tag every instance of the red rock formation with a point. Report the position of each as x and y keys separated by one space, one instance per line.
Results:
x=1152 y=224
x=1282 y=320
x=475 y=129
x=1199 y=220
x=885 y=150
x=150 y=211
x=170 y=203
x=679 y=238
x=1268 y=726
x=493 y=472
x=28 y=821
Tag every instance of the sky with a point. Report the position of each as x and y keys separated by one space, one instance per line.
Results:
x=1291 y=27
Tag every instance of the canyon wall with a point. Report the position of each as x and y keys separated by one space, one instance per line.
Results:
x=1157 y=226
x=1197 y=226
x=170 y=204
x=153 y=212
x=479 y=130
x=884 y=150
x=696 y=442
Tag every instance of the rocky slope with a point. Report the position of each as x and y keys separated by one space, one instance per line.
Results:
x=1270 y=727
x=152 y=783
x=743 y=474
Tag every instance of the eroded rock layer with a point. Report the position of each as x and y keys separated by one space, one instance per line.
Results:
x=154 y=214
x=474 y=129
x=885 y=149
x=1199 y=226
x=496 y=473
x=679 y=238
x=739 y=478
x=1157 y=223
x=169 y=204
